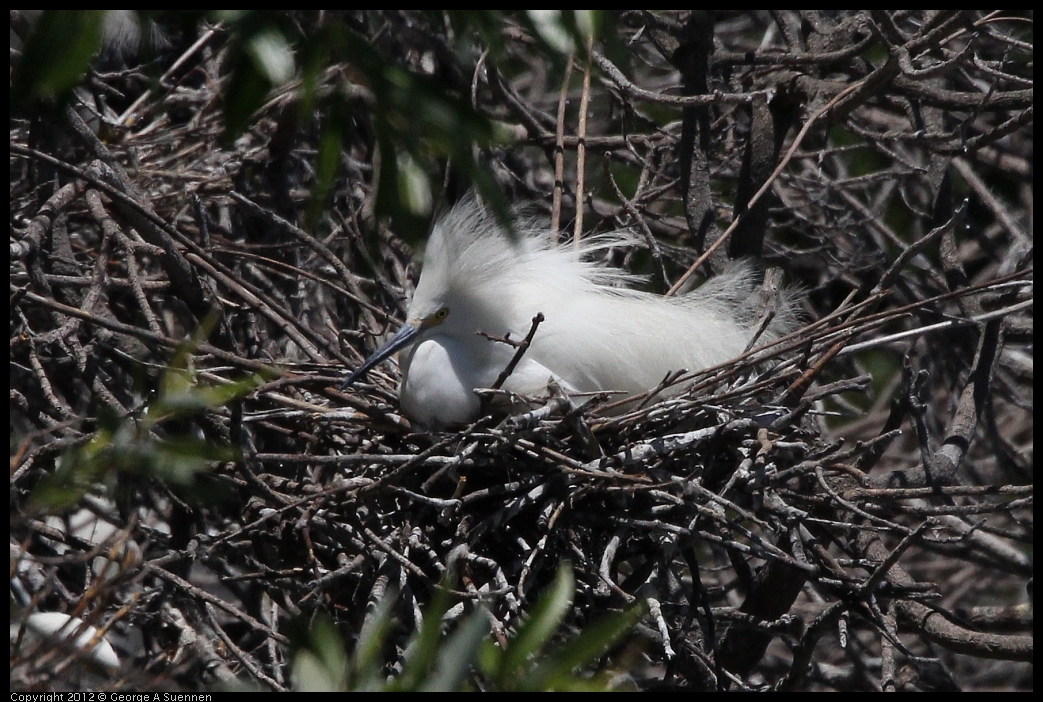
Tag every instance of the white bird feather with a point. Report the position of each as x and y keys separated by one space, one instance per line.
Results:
x=598 y=333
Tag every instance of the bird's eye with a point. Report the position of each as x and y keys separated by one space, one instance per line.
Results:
x=441 y=314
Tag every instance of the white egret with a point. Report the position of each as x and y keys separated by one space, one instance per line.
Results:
x=44 y=630
x=598 y=335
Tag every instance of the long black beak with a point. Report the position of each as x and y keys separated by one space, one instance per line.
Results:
x=402 y=338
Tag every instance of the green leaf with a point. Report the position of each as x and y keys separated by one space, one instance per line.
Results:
x=565 y=32
x=272 y=55
x=540 y=625
x=321 y=666
x=56 y=54
x=414 y=189
x=367 y=664
x=421 y=652
x=261 y=57
x=457 y=657
x=557 y=671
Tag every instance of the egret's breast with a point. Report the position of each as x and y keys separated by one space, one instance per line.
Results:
x=438 y=380
x=440 y=374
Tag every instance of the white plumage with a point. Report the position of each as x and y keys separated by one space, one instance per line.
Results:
x=598 y=334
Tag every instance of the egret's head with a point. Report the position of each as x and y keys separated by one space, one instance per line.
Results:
x=468 y=279
x=465 y=284
x=426 y=313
